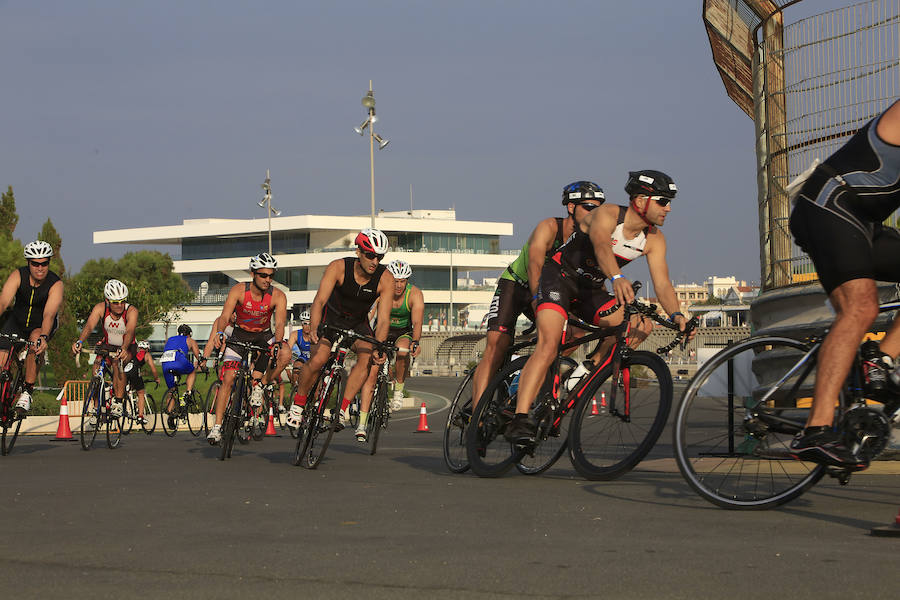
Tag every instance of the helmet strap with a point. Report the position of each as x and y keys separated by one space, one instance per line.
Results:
x=642 y=215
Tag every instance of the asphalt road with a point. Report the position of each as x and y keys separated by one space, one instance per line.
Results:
x=162 y=517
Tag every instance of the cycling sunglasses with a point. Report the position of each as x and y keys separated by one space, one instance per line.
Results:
x=661 y=200
x=35 y=263
x=372 y=255
x=265 y=275
x=588 y=206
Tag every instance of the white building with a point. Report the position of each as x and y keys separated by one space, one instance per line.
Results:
x=215 y=252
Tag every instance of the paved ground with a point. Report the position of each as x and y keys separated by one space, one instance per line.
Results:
x=162 y=516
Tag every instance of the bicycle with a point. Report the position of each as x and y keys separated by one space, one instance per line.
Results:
x=380 y=409
x=176 y=408
x=130 y=412
x=239 y=416
x=12 y=382
x=740 y=411
x=602 y=446
x=96 y=412
x=329 y=392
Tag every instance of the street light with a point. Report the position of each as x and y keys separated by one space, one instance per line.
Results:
x=368 y=101
x=267 y=202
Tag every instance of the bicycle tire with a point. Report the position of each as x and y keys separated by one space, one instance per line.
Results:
x=454 y=442
x=170 y=398
x=379 y=420
x=149 y=414
x=258 y=416
x=113 y=430
x=94 y=397
x=209 y=408
x=318 y=438
x=295 y=431
x=605 y=446
x=230 y=423
x=127 y=416
x=488 y=452
x=12 y=421
x=194 y=414
x=721 y=450
x=553 y=440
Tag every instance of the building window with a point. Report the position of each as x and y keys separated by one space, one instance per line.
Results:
x=283 y=242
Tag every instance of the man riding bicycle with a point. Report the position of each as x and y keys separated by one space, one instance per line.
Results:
x=177 y=359
x=118 y=320
x=136 y=380
x=605 y=239
x=349 y=287
x=254 y=304
x=35 y=294
x=837 y=220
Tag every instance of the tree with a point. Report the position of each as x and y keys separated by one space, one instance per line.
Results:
x=51 y=236
x=9 y=218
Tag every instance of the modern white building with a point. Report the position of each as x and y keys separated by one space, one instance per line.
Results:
x=213 y=254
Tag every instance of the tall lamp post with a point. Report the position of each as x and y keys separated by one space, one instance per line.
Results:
x=267 y=202
x=368 y=101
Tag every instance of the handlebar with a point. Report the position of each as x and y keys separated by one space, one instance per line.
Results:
x=343 y=334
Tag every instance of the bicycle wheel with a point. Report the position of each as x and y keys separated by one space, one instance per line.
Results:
x=129 y=413
x=553 y=429
x=455 y=427
x=231 y=421
x=378 y=416
x=735 y=422
x=11 y=420
x=318 y=435
x=258 y=416
x=149 y=426
x=170 y=412
x=194 y=413
x=209 y=410
x=353 y=413
x=488 y=452
x=608 y=444
x=91 y=408
x=113 y=431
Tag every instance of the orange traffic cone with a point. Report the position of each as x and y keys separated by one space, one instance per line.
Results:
x=594 y=410
x=892 y=530
x=270 y=428
x=63 y=431
x=603 y=400
x=423 y=421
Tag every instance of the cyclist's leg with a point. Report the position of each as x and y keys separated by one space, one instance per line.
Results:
x=168 y=370
x=886 y=253
x=509 y=301
x=496 y=345
x=360 y=379
x=550 y=322
x=229 y=370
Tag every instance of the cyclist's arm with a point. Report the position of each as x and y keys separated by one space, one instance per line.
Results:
x=149 y=361
x=193 y=348
x=128 y=338
x=54 y=301
x=539 y=245
x=385 y=297
x=333 y=276
x=280 y=302
x=234 y=296
x=89 y=326
x=601 y=224
x=417 y=310
x=211 y=342
x=659 y=273
x=8 y=293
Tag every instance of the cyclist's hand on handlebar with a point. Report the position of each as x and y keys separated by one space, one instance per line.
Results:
x=416 y=348
x=378 y=357
x=623 y=291
x=76 y=346
x=218 y=340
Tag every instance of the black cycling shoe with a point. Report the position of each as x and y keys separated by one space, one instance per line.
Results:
x=170 y=421
x=520 y=430
x=822 y=445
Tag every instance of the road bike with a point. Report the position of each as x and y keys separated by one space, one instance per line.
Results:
x=177 y=408
x=130 y=412
x=737 y=417
x=12 y=382
x=605 y=440
x=380 y=409
x=96 y=412
x=241 y=421
x=317 y=428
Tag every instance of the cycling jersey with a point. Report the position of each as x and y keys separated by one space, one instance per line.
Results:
x=300 y=349
x=254 y=315
x=349 y=303
x=28 y=308
x=114 y=327
x=401 y=317
x=518 y=269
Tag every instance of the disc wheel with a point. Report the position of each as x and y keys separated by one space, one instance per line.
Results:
x=735 y=422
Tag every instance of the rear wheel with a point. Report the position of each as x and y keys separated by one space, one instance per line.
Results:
x=319 y=431
x=209 y=411
x=608 y=444
x=170 y=411
x=149 y=424
x=553 y=428
x=129 y=411
x=458 y=416
x=11 y=419
x=195 y=413
x=90 y=414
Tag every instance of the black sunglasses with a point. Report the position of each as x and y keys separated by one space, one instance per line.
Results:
x=266 y=275
x=661 y=200
x=588 y=206
x=372 y=255
x=34 y=263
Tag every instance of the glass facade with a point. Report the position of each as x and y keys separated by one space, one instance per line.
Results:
x=444 y=242
x=295 y=278
x=283 y=242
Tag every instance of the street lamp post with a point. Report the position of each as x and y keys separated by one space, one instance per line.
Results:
x=267 y=202
x=368 y=101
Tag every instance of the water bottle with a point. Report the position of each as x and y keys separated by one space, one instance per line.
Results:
x=873 y=366
x=580 y=371
x=514 y=386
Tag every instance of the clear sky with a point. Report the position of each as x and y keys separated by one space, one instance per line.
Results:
x=124 y=114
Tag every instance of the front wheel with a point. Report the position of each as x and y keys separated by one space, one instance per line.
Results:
x=90 y=414
x=610 y=435
x=149 y=424
x=735 y=422
x=194 y=413
x=378 y=416
x=113 y=431
x=11 y=419
x=319 y=430
x=458 y=416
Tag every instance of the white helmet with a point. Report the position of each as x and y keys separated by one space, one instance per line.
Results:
x=304 y=316
x=263 y=260
x=115 y=290
x=372 y=240
x=400 y=269
x=38 y=249
x=144 y=344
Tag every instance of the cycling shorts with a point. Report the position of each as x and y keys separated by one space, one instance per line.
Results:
x=361 y=327
x=135 y=380
x=395 y=334
x=13 y=326
x=510 y=300
x=181 y=365
x=843 y=249
x=565 y=293
x=260 y=338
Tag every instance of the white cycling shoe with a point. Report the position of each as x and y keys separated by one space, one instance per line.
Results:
x=295 y=416
x=115 y=409
x=24 y=403
x=397 y=401
x=256 y=396
x=215 y=435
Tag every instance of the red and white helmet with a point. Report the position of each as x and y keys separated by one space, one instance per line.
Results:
x=400 y=269
x=372 y=240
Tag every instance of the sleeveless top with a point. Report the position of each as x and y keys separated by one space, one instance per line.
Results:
x=577 y=255
x=114 y=327
x=177 y=342
x=300 y=349
x=351 y=300
x=28 y=308
x=518 y=269
x=254 y=315
x=401 y=316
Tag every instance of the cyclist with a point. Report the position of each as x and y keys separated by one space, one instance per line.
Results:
x=574 y=278
x=254 y=303
x=405 y=331
x=34 y=293
x=836 y=220
x=349 y=287
x=133 y=373
x=178 y=359
x=518 y=285
x=300 y=346
x=118 y=320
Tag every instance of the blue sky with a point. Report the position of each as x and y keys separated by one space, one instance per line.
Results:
x=124 y=114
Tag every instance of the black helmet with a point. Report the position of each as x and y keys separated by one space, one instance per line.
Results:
x=184 y=330
x=650 y=183
x=582 y=190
